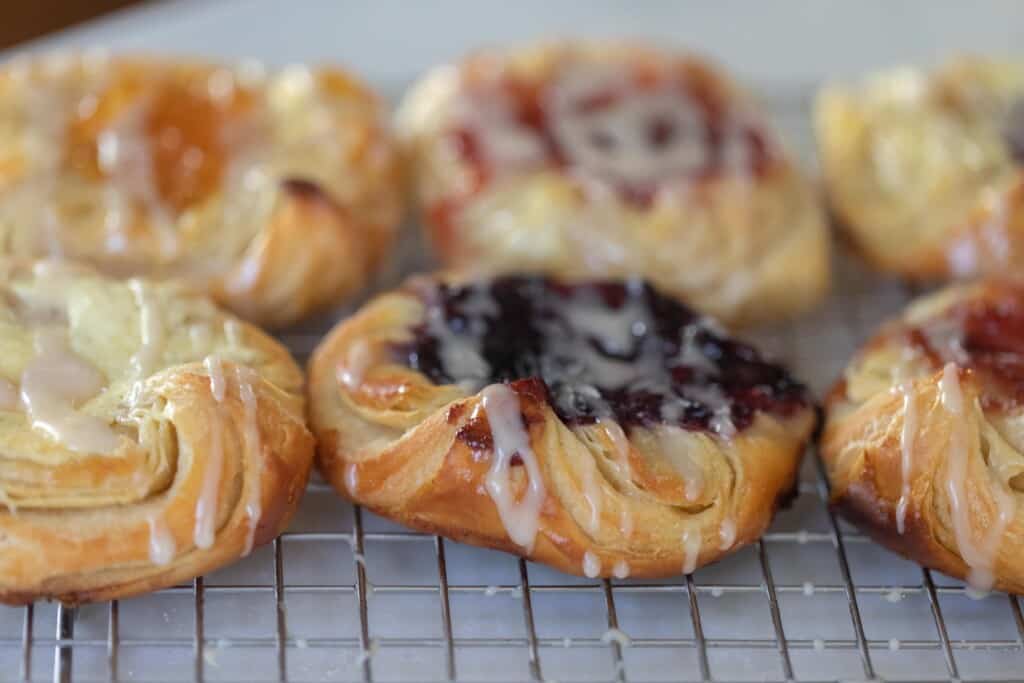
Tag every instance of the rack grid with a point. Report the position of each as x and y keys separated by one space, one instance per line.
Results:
x=345 y=595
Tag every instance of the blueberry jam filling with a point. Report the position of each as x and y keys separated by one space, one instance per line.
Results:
x=606 y=349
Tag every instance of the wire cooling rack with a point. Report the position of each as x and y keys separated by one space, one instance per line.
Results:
x=347 y=596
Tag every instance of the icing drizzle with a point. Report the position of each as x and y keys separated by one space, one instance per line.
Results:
x=980 y=555
x=54 y=383
x=637 y=130
x=521 y=518
x=602 y=350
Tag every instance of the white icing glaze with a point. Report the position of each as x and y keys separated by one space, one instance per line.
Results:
x=254 y=447
x=8 y=395
x=592 y=494
x=621 y=570
x=628 y=154
x=907 y=435
x=152 y=333
x=54 y=382
x=161 y=542
x=506 y=143
x=461 y=353
x=676 y=444
x=352 y=478
x=206 y=504
x=691 y=540
x=123 y=154
x=614 y=635
x=357 y=360
x=620 y=441
x=979 y=555
x=727 y=533
x=218 y=383
x=591 y=565
x=521 y=518
x=721 y=407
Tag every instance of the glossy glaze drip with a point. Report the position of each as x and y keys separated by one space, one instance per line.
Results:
x=592 y=494
x=209 y=490
x=254 y=447
x=218 y=382
x=53 y=386
x=907 y=437
x=521 y=517
x=727 y=533
x=161 y=542
x=604 y=350
x=152 y=334
x=357 y=360
x=979 y=548
x=691 y=541
x=621 y=570
x=634 y=130
x=591 y=565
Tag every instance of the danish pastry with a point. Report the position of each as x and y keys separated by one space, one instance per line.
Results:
x=925 y=169
x=924 y=438
x=597 y=426
x=610 y=160
x=276 y=193
x=145 y=437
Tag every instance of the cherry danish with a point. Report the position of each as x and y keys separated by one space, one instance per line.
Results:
x=593 y=160
x=924 y=439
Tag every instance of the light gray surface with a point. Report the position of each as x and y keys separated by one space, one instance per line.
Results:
x=782 y=42
x=782 y=47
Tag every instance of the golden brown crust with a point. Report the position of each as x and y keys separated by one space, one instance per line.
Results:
x=277 y=193
x=920 y=171
x=743 y=240
x=420 y=453
x=892 y=436
x=226 y=435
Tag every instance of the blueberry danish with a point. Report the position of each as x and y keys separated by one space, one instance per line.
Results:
x=599 y=427
x=614 y=160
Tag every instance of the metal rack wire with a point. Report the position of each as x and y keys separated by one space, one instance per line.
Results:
x=346 y=596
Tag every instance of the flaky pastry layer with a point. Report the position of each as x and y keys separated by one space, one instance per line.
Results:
x=146 y=437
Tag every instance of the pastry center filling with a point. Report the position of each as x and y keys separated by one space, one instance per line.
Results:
x=632 y=132
x=1015 y=130
x=607 y=349
x=165 y=146
x=987 y=336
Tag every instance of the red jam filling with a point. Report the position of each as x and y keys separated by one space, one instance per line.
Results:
x=986 y=336
x=633 y=132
